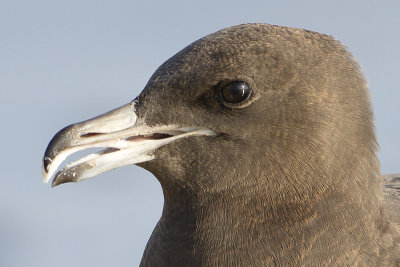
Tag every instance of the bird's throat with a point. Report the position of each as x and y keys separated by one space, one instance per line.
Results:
x=216 y=233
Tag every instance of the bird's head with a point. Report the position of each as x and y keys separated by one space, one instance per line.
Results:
x=249 y=106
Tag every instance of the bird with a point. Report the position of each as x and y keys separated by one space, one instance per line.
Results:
x=262 y=138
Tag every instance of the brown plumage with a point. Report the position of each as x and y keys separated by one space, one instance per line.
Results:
x=290 y=178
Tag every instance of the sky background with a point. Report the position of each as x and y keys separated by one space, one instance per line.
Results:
x=65 y=61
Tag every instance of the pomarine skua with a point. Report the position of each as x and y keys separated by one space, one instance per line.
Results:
x=262 y=138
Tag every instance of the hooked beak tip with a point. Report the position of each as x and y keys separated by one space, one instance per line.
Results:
x=46 y=162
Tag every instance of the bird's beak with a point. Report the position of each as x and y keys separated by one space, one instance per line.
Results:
x=125 y=139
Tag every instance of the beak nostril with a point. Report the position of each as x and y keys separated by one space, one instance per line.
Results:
x=160 y=136
x=154 y=136
x=89 y=134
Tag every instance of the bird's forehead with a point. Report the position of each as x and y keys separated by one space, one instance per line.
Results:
x=236 y=49
x=260 y=53
x=212 y=58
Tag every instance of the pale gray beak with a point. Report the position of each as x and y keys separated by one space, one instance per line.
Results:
x=126 y=140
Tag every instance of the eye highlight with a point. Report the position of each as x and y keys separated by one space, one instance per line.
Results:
x=235 y=92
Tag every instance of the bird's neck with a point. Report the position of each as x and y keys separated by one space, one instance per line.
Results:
x=243 y=229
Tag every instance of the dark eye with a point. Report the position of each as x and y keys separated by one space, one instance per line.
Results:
x=235 y=92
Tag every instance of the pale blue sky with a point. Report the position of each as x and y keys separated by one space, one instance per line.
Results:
x=65 y=61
